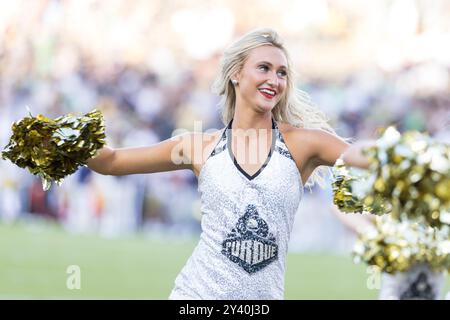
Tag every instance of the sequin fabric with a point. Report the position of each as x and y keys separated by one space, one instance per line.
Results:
x=246 y=226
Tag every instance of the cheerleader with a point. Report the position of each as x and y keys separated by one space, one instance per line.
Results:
x=250 y=174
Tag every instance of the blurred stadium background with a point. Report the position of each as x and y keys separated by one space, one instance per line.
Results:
x=149 y=65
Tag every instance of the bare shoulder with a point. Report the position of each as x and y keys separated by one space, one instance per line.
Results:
x=289 y=131
x=311 y=147
x=201 y=146
x=310 y=136
x=210 y=139
x=303 y=138
x=214 y=134
x=298 y=140
x=202 y=139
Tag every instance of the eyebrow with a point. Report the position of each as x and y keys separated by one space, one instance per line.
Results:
x=267 y=62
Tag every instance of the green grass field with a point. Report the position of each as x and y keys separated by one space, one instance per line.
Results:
x=34 y=260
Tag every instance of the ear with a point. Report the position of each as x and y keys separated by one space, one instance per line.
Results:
x=236 y=76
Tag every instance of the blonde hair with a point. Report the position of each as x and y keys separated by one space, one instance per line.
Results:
x=294 y=108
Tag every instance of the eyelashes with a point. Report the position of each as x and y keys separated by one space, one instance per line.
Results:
x=265 y=68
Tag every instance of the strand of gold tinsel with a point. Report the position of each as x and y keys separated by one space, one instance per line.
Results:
x=396 y=246
x=55 y=148
x=350 y=189
x=409 y=177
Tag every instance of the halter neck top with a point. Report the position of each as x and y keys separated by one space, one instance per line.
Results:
x=246 y=225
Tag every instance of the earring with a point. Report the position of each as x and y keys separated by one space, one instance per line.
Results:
x=234 y=82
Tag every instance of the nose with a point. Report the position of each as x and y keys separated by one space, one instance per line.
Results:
x=272 y=80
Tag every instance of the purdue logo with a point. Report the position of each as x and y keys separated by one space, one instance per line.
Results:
x=250 y=244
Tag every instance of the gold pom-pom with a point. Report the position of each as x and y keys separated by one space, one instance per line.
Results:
x=395 y=246
x=55 y=148
x=409 y=176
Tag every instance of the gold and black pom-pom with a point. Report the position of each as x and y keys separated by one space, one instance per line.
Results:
x=55 y=148
x=409 y=177
x=396 y=246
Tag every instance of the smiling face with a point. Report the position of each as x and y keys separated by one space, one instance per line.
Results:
x=262 y=79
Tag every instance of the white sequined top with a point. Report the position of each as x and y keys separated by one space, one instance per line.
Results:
x=246 y=226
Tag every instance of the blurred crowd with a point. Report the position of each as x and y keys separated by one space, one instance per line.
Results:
x=142 y=105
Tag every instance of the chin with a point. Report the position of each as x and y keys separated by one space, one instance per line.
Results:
x=267 y=105
x=265 y=108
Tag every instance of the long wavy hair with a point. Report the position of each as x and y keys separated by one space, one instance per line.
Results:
x=294 y=108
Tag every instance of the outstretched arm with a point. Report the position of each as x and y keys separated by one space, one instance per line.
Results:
x=328 y=148
x=168 y=155
x=354 y=156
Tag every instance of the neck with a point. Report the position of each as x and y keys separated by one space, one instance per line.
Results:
x=251 y=120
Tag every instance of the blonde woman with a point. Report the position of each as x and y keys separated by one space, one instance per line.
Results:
x=250 y=174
